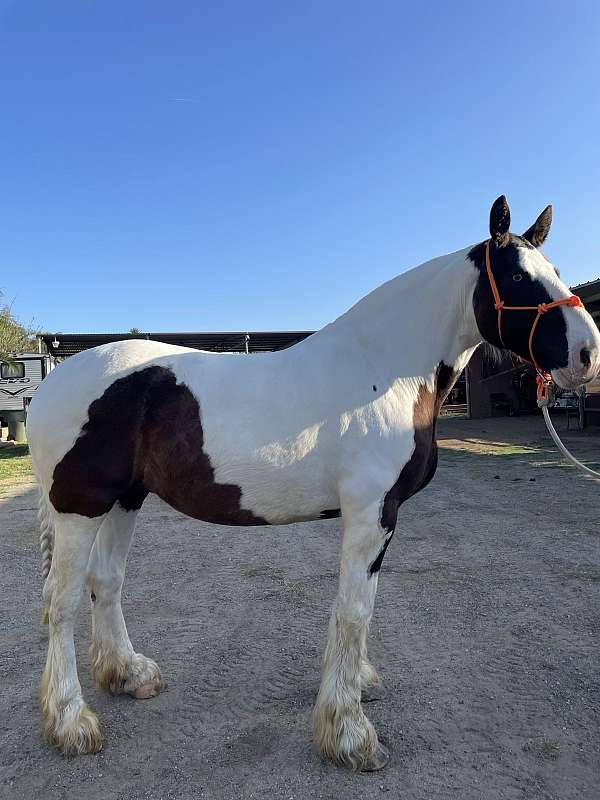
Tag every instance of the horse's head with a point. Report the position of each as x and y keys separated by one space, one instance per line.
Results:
x=565 y=339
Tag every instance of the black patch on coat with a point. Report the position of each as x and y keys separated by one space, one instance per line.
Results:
x=421 y=467
x=133 y=498
x=376 y=565
x=330 y=513
x=145 y=435
x=550 y=345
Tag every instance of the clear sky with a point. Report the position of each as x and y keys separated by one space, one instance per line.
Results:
x=262 y=165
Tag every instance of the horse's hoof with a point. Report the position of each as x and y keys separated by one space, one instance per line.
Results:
x=144 y=678
x=147 y=690
x=377 y=761
x=77 y=733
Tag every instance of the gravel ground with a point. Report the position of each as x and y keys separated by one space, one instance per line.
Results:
x=486 y=635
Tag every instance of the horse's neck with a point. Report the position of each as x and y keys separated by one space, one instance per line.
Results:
x=422 y=317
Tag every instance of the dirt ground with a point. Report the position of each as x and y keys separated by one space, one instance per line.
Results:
x=486 y=634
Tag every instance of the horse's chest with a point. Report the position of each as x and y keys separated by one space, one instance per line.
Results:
x=422 y=464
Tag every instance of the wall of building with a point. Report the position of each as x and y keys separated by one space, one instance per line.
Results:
x=485 y=383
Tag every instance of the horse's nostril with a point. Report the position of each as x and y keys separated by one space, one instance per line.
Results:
x=585 y=356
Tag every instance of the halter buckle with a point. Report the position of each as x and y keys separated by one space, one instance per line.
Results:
x=544 y=388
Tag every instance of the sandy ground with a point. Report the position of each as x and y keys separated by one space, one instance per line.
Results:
x=486 y=634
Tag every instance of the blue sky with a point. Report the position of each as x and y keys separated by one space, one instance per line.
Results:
x=262 y=165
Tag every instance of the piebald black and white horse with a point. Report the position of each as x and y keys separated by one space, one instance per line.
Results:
x=344 y=420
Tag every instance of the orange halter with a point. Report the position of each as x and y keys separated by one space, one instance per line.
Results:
x=544 y=379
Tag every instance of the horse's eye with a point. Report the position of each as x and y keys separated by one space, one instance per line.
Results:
x=517 y=277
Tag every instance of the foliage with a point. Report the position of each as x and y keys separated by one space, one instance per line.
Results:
x=14 y=337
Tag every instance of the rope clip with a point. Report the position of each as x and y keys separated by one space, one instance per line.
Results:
x=545 y=394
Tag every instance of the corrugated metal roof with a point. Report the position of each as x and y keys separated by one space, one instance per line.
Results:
x=590 y=294
x=595 y=283
x=229 y=342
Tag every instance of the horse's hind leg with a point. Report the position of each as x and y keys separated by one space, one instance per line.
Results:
x=68 y=721
x=117 y=668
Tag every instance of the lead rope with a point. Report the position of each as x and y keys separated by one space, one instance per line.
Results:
x=543 y=378
x=544 y=404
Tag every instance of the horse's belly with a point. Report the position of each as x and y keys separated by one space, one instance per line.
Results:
x=273 y=500
x=240 y=489
x=290 y=495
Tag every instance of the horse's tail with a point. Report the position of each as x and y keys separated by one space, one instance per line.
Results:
x=46 y=540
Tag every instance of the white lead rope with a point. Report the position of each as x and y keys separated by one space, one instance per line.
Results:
x=552 y=431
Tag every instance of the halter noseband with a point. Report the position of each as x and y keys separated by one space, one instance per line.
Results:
x=544 y=379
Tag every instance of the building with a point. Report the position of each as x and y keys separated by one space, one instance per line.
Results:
x=63 y=345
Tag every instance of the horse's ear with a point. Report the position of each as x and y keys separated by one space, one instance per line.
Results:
x=538 y=233
x=500 y=221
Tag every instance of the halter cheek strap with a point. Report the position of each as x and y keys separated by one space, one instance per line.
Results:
x=544 y=379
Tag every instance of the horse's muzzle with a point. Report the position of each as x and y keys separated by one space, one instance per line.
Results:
x=584 y=366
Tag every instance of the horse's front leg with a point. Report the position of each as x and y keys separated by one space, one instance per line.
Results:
x=342 y=731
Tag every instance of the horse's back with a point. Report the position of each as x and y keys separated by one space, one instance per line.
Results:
x=60 y=407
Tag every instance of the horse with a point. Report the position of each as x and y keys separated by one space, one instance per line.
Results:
x=341 y=424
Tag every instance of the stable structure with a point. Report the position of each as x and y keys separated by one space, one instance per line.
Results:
x=590 y=294
x=63 y=345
